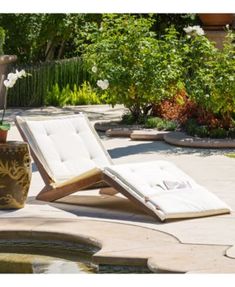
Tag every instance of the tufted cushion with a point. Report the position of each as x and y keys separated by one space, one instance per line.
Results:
x=166 y=190
x=67 y=146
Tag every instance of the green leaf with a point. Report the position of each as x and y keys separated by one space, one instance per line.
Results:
x=5 y=126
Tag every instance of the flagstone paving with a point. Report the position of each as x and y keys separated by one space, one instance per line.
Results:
x=123 y=232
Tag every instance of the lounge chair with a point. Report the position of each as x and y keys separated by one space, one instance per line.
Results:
x=70 y=157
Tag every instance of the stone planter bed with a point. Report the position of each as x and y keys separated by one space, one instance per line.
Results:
x=137 y=132
x=182 y=139
x=115 y=126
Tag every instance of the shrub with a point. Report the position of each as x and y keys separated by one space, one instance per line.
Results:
x=136 y=68
x=210 y=77
x=2 y=40
x=57 y=97
x=160 y=124
x=129 y=119
x=194 y=129
x=218 y=133
x=179 y=108
x=83 y=95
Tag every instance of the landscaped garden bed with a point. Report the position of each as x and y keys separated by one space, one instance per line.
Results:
x=169 y=77
x=177 y=137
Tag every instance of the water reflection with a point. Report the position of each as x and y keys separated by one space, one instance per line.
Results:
x=31 y=257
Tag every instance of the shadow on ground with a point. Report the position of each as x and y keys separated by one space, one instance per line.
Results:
x=94 y=113
x=163 y=148
x=101 y=207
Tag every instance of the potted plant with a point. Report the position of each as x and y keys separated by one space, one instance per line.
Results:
x=7 y=84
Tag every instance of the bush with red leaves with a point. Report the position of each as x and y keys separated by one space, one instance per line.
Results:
x=181 y=108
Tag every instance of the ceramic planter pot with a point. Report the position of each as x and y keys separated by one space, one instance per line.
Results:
x=216 y=19
x=3 y=136
x=4 y=128
x=15 y=174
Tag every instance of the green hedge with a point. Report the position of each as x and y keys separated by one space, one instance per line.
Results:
x=31 y=91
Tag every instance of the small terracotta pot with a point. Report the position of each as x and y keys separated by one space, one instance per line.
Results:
x=3 y=136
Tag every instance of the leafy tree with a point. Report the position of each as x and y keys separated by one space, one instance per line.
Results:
x=139 y=68
x=179 y=21
x=40 y=37
x=22 y=31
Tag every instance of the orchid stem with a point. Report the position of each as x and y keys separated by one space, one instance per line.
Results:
x=4 y=104
x=4 y=107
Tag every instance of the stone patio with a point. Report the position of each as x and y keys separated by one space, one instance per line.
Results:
x=125 y=234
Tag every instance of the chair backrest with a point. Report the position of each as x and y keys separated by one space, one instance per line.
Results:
x=65 y=146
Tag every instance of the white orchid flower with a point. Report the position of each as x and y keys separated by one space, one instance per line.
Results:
x=11 y=80
x=9 y=83
x=20 y=74
x=13 y=77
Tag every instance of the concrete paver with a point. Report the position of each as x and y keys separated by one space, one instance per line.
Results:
x=202 y=245
x=181 y=139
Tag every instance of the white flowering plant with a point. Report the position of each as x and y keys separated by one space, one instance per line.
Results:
x=9 y=82
x=210 y=76
x=132 y=66
x=194 y=30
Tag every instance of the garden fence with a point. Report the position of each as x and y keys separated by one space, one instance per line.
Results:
x=31 y=91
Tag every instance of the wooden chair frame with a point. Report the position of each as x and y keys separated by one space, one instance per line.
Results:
x=98 y=178
x=94 y=178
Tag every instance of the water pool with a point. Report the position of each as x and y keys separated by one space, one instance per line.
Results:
x=56 y=257
x=17 y=256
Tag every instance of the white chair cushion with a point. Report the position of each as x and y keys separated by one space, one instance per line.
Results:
x=166 y=190
x=68 y=146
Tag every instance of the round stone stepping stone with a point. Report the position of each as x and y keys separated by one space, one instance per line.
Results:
x=148 y=135
x=119 y=132
x=104 y=126
x=230 y=252
x=182 y=139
